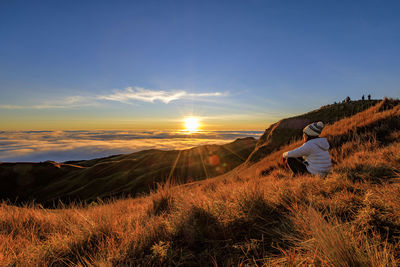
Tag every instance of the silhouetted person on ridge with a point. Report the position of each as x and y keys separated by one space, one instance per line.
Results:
x=369 y=97
x=313 y=156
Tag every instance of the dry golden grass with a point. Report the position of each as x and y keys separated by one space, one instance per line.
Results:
x=247 y=217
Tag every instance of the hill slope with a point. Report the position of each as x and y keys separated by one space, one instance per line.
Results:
x=254 y=215
x=119 y=175
x=378 y=123
x=286 y=130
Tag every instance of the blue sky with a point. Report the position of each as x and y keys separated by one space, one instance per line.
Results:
x=147 y=64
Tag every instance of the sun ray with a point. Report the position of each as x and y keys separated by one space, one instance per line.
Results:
x=233 y=153
x=202 y=162
x=174 y=166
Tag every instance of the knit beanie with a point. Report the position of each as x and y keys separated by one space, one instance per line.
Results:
x=314 y=129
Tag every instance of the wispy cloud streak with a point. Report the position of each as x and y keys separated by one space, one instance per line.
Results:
x=146 y=95
x=127 y=96
x=67 y=102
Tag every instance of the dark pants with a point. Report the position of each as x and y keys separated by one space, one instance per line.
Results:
x=297 y=165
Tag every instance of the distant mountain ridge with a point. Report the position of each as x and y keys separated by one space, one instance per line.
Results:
x=118 y=175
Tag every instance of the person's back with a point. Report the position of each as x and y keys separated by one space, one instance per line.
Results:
x=313 y=156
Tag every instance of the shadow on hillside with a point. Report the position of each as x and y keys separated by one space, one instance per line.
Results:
x=253 y=235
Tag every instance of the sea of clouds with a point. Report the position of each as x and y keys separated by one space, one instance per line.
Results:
x=60 y=146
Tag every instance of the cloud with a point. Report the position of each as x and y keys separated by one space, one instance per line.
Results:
x=67 y=102
x=206 y=94
x=41 y=106
x=144 y=95
x=127 y=95
x=79 y=145
x=150 y=96
x=12 y=107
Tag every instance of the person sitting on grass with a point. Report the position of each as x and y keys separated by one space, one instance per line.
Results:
x=313 y=156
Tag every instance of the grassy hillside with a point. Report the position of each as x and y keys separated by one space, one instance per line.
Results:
x=120 y=175
x=255 y=215
x=283 y=132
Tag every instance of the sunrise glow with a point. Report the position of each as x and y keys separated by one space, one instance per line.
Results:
x=191 y=124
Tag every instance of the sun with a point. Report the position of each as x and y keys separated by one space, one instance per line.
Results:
x=192 y=124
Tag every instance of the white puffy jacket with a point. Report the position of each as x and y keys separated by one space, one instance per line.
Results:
x=315 y=153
